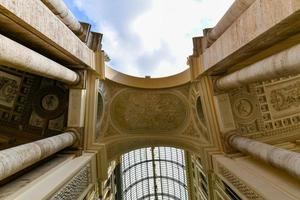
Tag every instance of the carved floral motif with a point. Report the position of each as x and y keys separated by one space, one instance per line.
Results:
x=239 y=184
x=74 y=188
x=9 y=87
x=286 y=97
x=148 y=111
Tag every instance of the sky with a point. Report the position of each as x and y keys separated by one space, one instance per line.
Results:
x=149 y=37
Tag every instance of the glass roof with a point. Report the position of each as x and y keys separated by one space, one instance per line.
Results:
x=154 y=174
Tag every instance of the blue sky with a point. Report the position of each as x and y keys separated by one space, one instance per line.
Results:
x=149 y=37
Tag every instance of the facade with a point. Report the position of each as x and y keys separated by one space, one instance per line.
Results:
x=66 y=119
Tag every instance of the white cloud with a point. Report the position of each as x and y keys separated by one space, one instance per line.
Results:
x=151 y=37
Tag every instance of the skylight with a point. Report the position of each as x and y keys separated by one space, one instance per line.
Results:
x=154 y=174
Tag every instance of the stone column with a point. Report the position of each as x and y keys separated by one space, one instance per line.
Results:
x=59 y=8
x=17 y=158
x=236 y=9
x=277 y=157
x=281 y=64
x=15 y=55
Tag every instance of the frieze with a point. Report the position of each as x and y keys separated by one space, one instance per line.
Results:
x=74 y=188
x=239 y=184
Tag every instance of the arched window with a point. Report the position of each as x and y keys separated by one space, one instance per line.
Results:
x=99 y=112
x=154 y=173
x=200 y=110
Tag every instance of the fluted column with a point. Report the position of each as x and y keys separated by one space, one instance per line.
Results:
x=281 y=64
x=15 y=55
x=59 y=8
x=17 y=158
x=277 y=157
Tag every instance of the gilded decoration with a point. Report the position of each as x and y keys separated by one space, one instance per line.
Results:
x=137 y=111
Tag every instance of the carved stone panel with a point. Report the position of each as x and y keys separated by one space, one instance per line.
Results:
x=75 y=187
x=136 y=111
x=9 y=87
x=283 y=98
x=30 y=104
x=269 y=108
x=240 y=185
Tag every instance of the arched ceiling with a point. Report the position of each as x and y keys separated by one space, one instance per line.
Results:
x=133 y=118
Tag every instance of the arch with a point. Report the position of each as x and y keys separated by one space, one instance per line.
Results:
x=148 y=83
x=123 y=144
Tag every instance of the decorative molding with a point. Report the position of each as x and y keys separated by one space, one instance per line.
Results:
x=50 y=102
x=269 y=108
x=241 y=186
x=197 y=103
x=9 y=88
x=191 y=131
x=76 y=186
x=102 y=115
x=136 y=111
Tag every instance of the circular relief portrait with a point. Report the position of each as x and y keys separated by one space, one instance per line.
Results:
x=50 y=102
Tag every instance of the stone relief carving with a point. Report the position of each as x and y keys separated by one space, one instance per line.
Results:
x=239 y=184
x=192 y=131
x=9 y=87
x=111 y=131
x=134 y=111
x=57 y=124
x=286 y=97
x=18 y=89
x=50 y=102
x=138 y=111
x=74 y=188
x=267 y=108
x=245 y=110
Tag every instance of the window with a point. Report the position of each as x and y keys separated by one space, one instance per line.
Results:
x=154 y=174
x=200 y=110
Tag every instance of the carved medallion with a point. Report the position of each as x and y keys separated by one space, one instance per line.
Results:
x=50 y=102
x=138 y=111
x=9 y=87
x=243 y=108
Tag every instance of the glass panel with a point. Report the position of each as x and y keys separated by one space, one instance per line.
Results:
x=162 y=168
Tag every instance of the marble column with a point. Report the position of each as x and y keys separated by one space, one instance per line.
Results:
x=15 y=55
x=277 y=157
x=17 y=158
x=281 y=64
x=236 y=9
x=59 y=8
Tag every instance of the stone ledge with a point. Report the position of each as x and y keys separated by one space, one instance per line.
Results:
x=45 y=34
